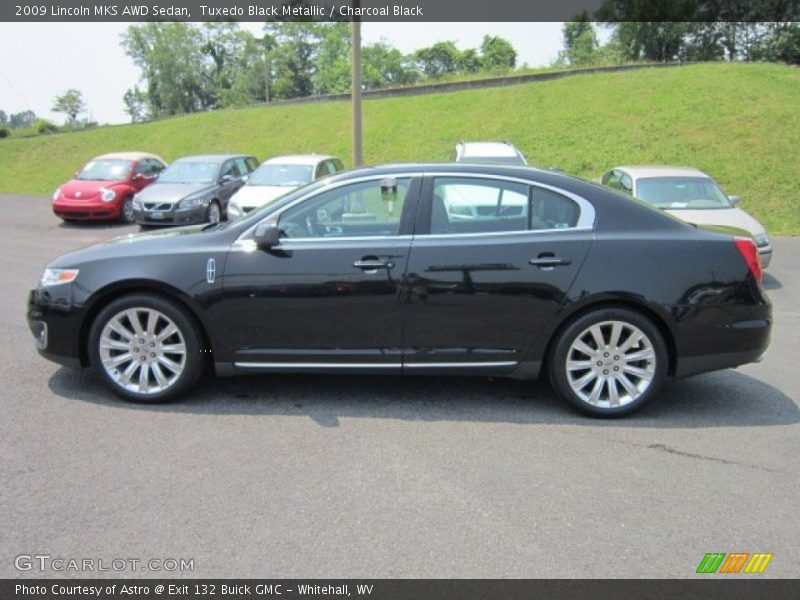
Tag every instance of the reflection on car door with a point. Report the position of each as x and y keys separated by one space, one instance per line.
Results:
x=487 y=271
x=328 y=296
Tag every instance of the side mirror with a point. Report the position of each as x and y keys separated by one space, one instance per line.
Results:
x=734 y=200
x=267 y=235
x=139 y=177
x=226 y=179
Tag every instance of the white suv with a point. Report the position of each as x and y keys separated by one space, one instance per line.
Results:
x=489 y=153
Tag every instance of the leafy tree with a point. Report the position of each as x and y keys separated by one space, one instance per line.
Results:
x=3 y=118
x=71 y=103
x=438 y=60
x=580 y=41
x=171 y=60
x=497 y=53
x=292 y=68
x=21 y=119
x=135 y=104
x=332 y=58
x=385 y=66
x=469 y=61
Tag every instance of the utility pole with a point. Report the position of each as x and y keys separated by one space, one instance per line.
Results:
x=358 y=158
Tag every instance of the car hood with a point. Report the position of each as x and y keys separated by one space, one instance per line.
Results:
x=171 y=192
x=253 y=196
x=165 y=241
x=82 y=190
x=726 y=217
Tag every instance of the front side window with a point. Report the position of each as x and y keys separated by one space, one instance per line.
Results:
x=681 y=192
x=468 y=205
x=369 y=208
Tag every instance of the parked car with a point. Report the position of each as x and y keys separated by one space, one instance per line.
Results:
x=691 y=195
x=488 y=153
x=367 y=272
x=278 y=176
x=103 y=190
x=193 y=189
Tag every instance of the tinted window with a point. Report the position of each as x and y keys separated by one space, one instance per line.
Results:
x=232 y=168
x=338 y=165
x=360 y=209
x=252 y=164
x=241 y=165
x=469 y=205
x=551 y=210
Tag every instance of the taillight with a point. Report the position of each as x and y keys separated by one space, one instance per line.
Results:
x=747 y=248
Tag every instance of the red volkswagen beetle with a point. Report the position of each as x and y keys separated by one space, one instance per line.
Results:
x=103 y=190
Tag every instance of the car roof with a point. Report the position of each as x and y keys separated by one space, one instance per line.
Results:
x=488 y=149
x=210 y=157
x=298 y=159
x=641 y=171
x=128 y=156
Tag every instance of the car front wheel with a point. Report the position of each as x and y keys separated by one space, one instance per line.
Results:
x=145 y=348
x=609 y=362
x=126 y=213
x=213 y=213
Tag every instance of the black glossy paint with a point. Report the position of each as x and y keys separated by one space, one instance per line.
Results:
x=471 y=304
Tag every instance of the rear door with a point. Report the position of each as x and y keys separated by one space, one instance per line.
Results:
x=491 y=262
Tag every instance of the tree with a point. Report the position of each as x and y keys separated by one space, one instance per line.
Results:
x=21 y=119
x=3 y=118
x=438 y=60
x=385 y=66
x=580 y=41
x=71 y=103
x=135 y=104
x=292 y=59
x=332 y=58
x=469 y=61
x=497 y=53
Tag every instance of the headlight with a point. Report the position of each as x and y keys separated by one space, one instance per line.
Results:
x=56 y=194
x=137 y=202
x=234 y=210
x=762 y=239
x=57 y=276
x=107 y=195
x=190 y=201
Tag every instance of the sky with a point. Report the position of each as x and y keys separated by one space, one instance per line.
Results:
x=40 y=60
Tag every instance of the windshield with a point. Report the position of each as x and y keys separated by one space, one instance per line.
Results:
x=681 y=192
x=189 y=172
x=281 y=175
x=105 y=170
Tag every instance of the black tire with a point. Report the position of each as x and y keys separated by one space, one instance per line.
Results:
x=193 y=362
x=211 y=204
x=605 y=366
x=127 y=202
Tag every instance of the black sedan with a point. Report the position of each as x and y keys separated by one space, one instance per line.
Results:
x=441 y=269
x=193 y=189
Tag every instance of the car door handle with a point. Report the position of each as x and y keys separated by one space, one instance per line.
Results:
x=372 y=265
x=550 y=261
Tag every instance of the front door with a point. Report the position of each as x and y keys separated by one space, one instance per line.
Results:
x=490 y=264
x=326 y=298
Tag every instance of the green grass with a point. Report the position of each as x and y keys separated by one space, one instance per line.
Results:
x=738 y=122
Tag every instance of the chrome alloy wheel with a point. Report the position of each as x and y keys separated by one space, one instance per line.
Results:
x=611 y=364
x=142 y=350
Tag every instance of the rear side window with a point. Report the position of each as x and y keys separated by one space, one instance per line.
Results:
x=252 y=164
x=470 y=205
x=551 y=210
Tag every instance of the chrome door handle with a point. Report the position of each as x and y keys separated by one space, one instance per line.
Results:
x=373 y=265
x=550 y=261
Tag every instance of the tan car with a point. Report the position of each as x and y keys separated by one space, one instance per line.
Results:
x=690 y=195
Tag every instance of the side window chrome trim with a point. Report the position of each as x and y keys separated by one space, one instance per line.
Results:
x=489 y=234
x=274 y=217
x=586 y=220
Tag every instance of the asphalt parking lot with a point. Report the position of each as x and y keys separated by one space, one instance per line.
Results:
x=308 y=476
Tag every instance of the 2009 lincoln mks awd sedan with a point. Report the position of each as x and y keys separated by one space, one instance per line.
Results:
x=440 y=269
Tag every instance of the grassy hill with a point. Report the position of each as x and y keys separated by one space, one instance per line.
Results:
x=739 y=122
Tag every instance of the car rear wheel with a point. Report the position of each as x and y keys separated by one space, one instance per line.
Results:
x=145 y=348
x=126 y=214
x=213 y=214
x=609 y=362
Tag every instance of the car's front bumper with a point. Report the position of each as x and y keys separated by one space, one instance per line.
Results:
x=172 y=216
x=54 y=323
x=86 y=210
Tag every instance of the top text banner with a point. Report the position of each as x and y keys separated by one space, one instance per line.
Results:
x=396 y=10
